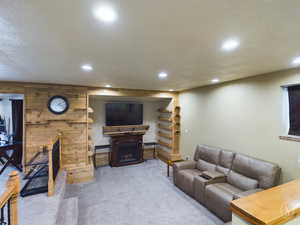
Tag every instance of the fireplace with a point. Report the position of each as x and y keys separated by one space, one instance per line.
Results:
x=126 y=150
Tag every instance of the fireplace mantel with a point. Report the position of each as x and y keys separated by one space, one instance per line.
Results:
x=125 y=130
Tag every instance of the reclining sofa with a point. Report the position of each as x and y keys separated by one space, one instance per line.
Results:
x=216 y=177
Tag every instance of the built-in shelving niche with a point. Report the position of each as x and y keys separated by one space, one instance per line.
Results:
x=168 y=132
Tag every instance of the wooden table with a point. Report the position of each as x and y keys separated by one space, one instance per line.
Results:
x=171 y=163
x=154 y=149
x=12 y=159
x=275 y=206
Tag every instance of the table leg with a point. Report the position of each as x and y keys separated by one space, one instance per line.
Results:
x=168 y=166
x=94 y=159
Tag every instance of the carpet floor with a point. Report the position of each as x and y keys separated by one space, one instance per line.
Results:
x=137 y=195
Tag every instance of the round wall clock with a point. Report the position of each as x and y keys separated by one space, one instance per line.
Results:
x=58 y=104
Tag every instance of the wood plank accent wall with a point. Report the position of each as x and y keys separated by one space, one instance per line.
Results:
x=42 y=126
x=73 y=123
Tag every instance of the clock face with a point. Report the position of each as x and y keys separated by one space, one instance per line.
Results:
x=58 y=104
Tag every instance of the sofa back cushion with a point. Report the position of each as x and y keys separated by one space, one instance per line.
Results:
x=225 y=161
x=207 y=157
x=241 y=181
x=205 y=166
x=265 y=173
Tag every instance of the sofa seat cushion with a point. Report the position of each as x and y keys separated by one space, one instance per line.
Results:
x=218 y=198
x=228 y=188
x=185 y=180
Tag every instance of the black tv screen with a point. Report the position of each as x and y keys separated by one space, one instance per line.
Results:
x=119 y=114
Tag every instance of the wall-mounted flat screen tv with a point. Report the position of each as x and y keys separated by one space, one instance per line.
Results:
x=119 y=114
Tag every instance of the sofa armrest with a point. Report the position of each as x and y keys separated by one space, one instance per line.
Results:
x=211 y=175
x=184 y=165
x=246 y=193
x=204 y=182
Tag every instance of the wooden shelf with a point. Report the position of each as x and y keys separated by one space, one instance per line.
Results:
x=78 y=108
x=164 y=135
x=164 y=119
x=57 y=120
x=118 y=133
x=123 y=130
x=162 y=143
x=164 y=111
x=76 y=121
x=126 y=127
x=163 y=127
x=37 y=123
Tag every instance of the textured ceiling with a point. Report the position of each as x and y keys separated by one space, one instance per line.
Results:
x=47 y=41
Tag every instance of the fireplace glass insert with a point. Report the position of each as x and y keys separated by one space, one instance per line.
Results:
x=128 y=152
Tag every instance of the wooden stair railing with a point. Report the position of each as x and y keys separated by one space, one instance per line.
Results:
x=45 y=165
x=9 y=200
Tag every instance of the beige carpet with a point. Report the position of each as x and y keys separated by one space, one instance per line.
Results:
x=137 y=195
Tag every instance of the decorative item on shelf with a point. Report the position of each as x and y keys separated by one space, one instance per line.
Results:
x=90 y=110
x=58 y=104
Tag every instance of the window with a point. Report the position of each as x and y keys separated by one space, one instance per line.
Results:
x=294 y=110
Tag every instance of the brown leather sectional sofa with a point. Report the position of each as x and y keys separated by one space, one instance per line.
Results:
x=216 y=177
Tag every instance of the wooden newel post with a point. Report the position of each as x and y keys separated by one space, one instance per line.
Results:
x=50 y=173
x=14 y=182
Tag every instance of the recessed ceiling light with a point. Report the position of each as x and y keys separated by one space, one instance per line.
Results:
x=215 y=80
x=171 y=89
x=106 y=13
x=162 y=75
x=87 y=67
x=296 y=61
x=230 y=45
x=108 y=86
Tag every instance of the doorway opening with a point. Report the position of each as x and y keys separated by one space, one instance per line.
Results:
x=11 y=133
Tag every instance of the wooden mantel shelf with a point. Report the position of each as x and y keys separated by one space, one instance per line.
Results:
x=275 y=206
x=125 y=130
